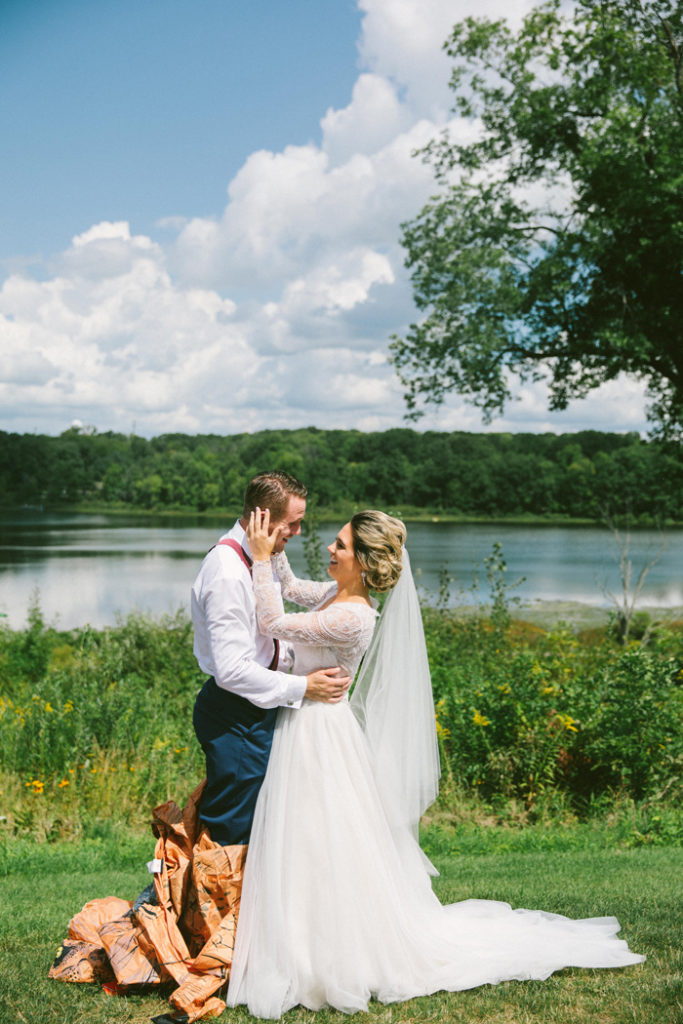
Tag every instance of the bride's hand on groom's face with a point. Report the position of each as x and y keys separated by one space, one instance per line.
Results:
x=261 y=539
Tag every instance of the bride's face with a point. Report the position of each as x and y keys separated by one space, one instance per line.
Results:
x=344 y=567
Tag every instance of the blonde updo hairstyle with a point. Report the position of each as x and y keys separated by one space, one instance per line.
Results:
x=377 y=543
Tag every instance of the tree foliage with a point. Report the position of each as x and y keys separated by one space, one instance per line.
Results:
x=579 y=475
x=555 y=247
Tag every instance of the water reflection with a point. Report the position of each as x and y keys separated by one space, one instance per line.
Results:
x=95 y=568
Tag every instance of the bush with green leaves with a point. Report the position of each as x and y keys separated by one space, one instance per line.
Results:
x=106 y=727
x=521 y=712
x=97 y=724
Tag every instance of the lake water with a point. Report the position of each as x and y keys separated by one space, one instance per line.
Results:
x=95 y=568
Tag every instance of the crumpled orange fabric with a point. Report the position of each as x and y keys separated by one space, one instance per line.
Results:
x=186 y=936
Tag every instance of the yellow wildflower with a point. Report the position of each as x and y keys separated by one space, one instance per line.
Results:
x=63 y=783
x=38 y=786
x=441 y=731
x=565 y=721
x=48 y=707
x=480 y=719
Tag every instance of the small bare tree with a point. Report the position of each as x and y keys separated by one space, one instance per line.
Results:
x=626 y=601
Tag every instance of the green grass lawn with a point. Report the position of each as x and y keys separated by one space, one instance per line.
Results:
x=43 y=885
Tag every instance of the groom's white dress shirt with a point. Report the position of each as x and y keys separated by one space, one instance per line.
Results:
x=227 y=642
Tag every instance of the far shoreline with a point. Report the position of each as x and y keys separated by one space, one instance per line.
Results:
x=327 y=515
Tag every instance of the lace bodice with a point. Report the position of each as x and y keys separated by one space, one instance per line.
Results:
x=337 y=634
x=307 y=593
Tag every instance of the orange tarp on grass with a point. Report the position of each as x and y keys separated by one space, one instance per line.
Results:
x=181 y=931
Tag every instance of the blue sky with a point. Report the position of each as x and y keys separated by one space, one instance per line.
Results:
x=140 y=110
x=200 y=214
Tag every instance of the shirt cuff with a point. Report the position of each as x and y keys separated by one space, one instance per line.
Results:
x=296 y=691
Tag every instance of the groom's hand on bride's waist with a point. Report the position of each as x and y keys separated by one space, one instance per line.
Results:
x=327 y=684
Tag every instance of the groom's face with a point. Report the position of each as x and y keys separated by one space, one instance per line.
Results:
x=290 y=523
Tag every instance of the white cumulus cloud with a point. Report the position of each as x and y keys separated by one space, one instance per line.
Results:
x=277 y=310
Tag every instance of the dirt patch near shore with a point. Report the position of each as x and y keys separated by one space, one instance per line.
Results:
x=549 y=614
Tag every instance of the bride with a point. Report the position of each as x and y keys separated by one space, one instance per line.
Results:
x=337 y=904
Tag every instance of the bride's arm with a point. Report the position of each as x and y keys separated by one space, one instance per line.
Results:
x=340 y=624
x=308 y=593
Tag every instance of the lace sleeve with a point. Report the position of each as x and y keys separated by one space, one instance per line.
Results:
x=307 y=593
x=346 y=624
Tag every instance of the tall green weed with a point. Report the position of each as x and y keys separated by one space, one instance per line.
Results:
x=105 y=727
x=97 y=724
x=522 y=712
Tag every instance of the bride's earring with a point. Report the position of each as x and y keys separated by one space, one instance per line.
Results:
x=362 y=576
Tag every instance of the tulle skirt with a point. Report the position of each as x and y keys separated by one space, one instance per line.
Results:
x=337 y=907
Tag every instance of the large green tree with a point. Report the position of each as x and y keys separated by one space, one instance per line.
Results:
x=555 y=246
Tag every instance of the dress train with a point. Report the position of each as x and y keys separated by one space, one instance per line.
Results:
x=337 y=907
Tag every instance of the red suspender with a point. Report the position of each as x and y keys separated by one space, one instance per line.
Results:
x=241 y=553
x=276 y=655
x=239 y=550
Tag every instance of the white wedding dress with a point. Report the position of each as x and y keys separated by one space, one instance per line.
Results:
x=337 y=904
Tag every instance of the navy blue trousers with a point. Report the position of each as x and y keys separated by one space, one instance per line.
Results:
x=236 y=738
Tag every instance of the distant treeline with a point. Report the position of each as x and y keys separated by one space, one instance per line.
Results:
x=576 y=475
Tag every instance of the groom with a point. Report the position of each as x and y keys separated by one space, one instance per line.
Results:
x=235 y=711
x=234 y=719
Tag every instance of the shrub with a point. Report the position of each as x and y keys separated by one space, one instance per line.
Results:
x=523 y=713
x=97 y=724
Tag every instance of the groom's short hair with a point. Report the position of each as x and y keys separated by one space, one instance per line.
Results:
x=273 y=491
